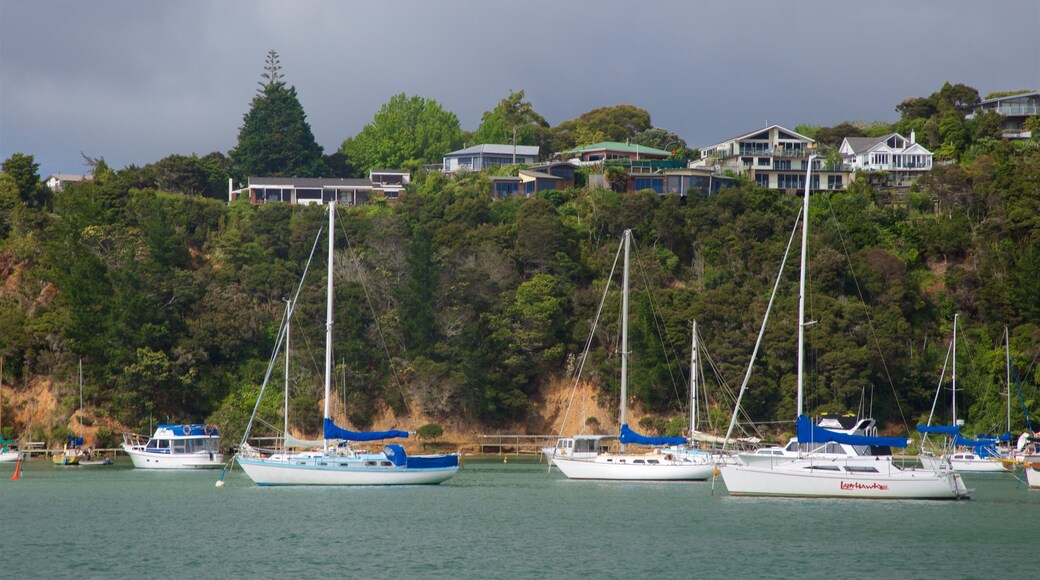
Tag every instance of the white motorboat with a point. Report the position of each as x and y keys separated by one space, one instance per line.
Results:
x=179 y=446
x=336 y=462
x=579 y=447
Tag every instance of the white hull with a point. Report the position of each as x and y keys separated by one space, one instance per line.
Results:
x=9 y=456
x=266 y=472
x=801 y=478
x=974 y=465
x=1032 y=468
x=651 y=468
x=1033 y=475
x=978 y=465
x=148 y=460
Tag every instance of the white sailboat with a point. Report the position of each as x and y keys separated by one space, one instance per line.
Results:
x=336 y=463
x=974 y=455
x=810 y=476
x=623 y=466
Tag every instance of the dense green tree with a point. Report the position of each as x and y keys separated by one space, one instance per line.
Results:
x=406 y=133
x=275 y=138
x=24 y=170
x=512 y=121
x=659 y=139
x=617 y=123
x=833 y=136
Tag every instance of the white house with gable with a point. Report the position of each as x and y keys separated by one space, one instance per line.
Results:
x=904 y=159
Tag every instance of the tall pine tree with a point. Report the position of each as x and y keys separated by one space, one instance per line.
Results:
x=275 y=139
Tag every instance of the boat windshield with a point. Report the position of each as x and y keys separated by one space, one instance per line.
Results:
x=194 y=445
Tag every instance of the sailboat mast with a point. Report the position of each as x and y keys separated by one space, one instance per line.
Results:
x=81 y=398
x=624 y=331
x=1007 y=356
x=801 y=286
x=693 y=380
x=328 y=311
x=953 y=376
x=285 y=411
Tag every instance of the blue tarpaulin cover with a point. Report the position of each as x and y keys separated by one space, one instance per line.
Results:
x=809 y=433
x=984 y=447
x=630 y=436
x=1005 y=437
x=334 y=432
x=396 y=454
x=75 y=441
x=940 y=429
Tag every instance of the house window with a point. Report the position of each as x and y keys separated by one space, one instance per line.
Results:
x=654 y=183
x=505 y=188
x=762 y=179
x=781 y=164
x=763 y=162
x=834 y=182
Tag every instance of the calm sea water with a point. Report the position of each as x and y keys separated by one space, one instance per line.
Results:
x=493 y=520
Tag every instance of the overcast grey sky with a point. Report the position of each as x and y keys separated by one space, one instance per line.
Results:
x=135 y=81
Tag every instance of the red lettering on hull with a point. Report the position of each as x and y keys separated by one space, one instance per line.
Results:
x=857 y=485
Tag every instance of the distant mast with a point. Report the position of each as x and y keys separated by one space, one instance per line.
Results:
x=328 y=313
x=801 y=287
x=624 y=333
x=693 y=380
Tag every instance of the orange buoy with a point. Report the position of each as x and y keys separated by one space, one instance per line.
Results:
x=17 y=470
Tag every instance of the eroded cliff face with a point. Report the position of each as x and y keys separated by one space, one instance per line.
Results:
x=32 y=413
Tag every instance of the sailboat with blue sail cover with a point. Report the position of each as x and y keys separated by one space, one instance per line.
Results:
x=336 y=462
x=650 y=466
x=812 y=476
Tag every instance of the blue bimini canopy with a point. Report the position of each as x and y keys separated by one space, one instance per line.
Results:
x=950 y=430
x=75 y=441
x=1005 y=437
x=334 y=432
x=983 y=447
x=630 y=436
x=809 y=433
x=395 y=453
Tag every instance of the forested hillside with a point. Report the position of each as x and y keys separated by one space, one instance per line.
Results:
x=456 y=308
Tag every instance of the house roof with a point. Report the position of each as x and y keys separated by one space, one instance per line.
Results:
x=494 y=149
x=67 y=177
x=769 y=128
x=539 y=175
x=310 y=181
x=617 y=146
x=862 y=144
x=1006 y=97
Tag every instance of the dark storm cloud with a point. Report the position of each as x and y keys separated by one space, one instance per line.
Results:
x=136 y=81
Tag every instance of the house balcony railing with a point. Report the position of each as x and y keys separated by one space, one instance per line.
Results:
x=646 y=165
x=774 y=152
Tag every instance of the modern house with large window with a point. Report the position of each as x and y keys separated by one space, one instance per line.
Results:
x=904 y=159
x=304 y=190
x=774 y=158
x=391 y=183
x=486 y=156
x=1015 y=109
x=611 y=151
